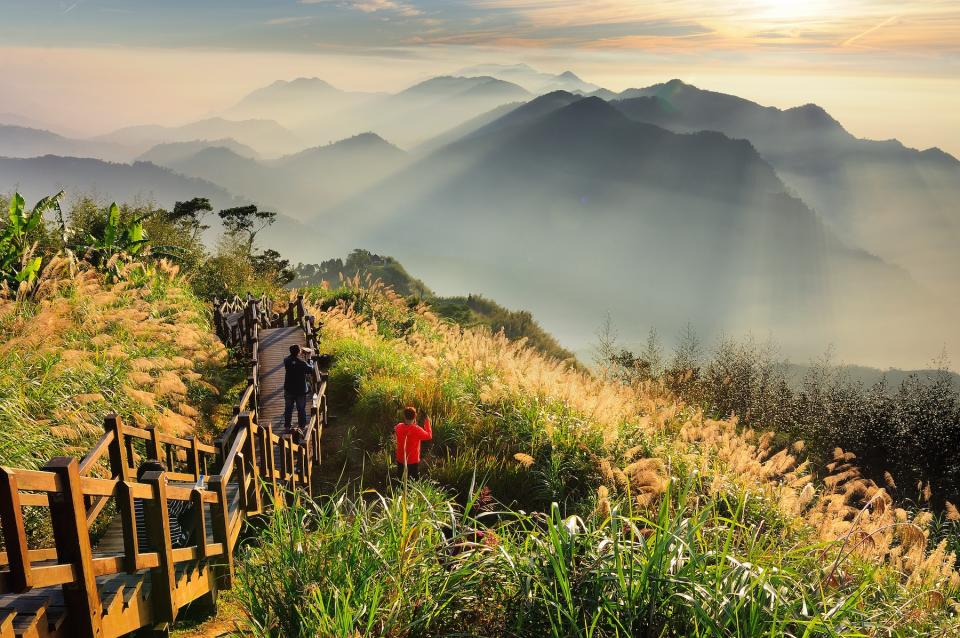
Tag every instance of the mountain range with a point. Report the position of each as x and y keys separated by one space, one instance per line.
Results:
x=659 y=205
x=897 y=202
x=568 y=194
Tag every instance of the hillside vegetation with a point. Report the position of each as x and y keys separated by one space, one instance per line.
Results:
x=467 y=311
x=567 y=504
x=84 y=347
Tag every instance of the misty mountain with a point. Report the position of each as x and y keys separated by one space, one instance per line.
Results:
x=266 y=136
x=172 y=152
x=506 y=115
x=319 y=113
x=301 y=184
x=15 y=119
x=572 y=209
x=298 y=103
x=107 y=181
x=532 y=80
x=22 y=141
x=436 y=105
x=900 y=203
x=139 y=182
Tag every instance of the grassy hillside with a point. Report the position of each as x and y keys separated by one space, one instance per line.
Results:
x=559 y=503
x=466 y=311
x=84 y=346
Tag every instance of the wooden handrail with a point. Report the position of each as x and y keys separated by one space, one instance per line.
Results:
x=96 y=453
x=252 y=465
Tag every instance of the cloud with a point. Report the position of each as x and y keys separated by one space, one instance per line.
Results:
x=372 y=6
x=289 y=20
x=876 y=27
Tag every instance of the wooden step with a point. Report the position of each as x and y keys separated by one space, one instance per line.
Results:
x=7 y=616
x=56 y=616
x=32 y=624
x=112 y=599
x=132 y=591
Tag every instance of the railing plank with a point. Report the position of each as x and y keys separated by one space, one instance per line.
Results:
x=96 y=453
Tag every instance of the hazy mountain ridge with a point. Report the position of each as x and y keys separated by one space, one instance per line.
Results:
x=319 y=112
x=139 y=181
x=266 y=136
x=303 y=183
x=531 y=79
x=23 y=142
x=170 y=152
x=668 y=172
x=863 y=188
x=525 y=206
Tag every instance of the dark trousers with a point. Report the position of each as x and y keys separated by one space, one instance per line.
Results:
x=289 y=400
x=413 y=470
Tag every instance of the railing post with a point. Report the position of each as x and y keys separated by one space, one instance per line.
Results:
x=199 y=510
x=154 y=445
x=119 y=452
x=284 y=471
x=14 y=532
x=251 y=458
x=193 y=458
x=221 y=529
x=119 y=461
x=128 y=523
x=289 y=461
x=72 y=538
x=163 y=579
x=270 y=460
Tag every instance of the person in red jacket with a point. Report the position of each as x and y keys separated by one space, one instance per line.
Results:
x=409 y=437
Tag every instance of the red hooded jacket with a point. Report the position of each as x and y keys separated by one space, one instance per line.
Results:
x=409 y=437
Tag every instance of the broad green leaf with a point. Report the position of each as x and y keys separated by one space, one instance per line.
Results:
x=30 y=270
x=136 y=238
x=50 y=201
x=16 y=212
x=113 y=220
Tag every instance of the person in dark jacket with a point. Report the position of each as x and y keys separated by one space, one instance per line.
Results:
x=295 y=386
x=176 y=510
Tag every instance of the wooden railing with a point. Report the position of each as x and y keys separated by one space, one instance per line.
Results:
x=253 y=469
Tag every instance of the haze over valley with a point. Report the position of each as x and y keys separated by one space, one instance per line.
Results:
x=658 y=205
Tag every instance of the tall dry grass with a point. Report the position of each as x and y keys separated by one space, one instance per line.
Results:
x=504 y=414
x=83 y=347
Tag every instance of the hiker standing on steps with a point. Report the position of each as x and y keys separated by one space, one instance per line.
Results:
x=409 y=437
x=295 y=387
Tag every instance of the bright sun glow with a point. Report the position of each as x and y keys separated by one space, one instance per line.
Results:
x=790 y=9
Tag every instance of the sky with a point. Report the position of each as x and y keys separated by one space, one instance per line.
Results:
x=884 y=68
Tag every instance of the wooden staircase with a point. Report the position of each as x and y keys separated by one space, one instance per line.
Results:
x=110 y=586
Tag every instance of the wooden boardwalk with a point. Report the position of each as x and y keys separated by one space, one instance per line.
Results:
x=274 y=346
x=115 y=587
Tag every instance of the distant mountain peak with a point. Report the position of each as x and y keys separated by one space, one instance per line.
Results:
x=304 y=81
x=589 y=110
x=368 y=138
x=449 y=84
x=569 y=75
x=813 y=115
x=937 y=154
x=299 y=83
